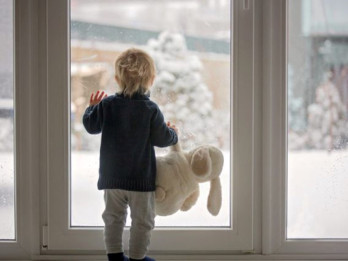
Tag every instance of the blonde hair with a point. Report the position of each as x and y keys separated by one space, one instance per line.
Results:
x=134 y=70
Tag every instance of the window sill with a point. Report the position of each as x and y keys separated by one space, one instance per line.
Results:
x=215 y=257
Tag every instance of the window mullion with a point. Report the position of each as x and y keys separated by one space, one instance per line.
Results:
x=274 y=125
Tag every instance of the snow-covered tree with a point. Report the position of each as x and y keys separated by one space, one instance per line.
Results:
x=180 y=91
x=6 y=134
x=296 y=117
x=327 y=127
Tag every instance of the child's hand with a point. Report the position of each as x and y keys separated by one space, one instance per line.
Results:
x=97 y=98
x=173 y=127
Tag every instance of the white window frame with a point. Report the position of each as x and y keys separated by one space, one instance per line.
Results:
x=267 y=141
x=274 y=187
x=240 y=238
x=27 y=134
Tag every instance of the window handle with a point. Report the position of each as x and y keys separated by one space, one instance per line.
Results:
x=246 y=5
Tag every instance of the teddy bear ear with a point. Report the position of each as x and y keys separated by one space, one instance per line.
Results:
x=201 y=163
x=215 y=197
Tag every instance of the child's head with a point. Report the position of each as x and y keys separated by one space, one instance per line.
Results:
x=134 y=71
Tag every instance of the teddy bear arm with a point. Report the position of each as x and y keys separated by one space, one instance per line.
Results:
x=190 y=201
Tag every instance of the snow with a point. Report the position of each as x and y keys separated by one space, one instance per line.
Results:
x=88 y=204
x=327 y=125
x=6 y=104
x=87 y=69
x=6 y=196
x=6 y=134
x=181 y=93
x=317 y=193
x=318 y=198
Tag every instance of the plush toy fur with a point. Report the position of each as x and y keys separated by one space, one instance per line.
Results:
x=179 y=174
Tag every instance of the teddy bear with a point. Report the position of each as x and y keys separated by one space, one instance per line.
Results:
x=179 y=174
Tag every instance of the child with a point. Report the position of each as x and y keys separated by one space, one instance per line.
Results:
x=131 y=125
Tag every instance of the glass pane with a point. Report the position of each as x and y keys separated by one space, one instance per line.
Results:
x=7 y=219
x=317 y=119
x=190 y=43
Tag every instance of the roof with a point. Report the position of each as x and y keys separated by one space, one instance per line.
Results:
x=205 y=24
x=325 y=17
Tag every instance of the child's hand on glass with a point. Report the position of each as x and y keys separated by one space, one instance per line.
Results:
x=97 y=98
x=173 y=127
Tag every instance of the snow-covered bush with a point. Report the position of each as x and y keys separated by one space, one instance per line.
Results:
x=296 y=109
x=327 y=126
x=6 y=134
x=181 y=93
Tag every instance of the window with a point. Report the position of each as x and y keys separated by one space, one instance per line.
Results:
x=317 y=119
x=94 y=44
x=7 y=171
x=283 y=54
x=297 y=188
x=192 y=88
x=20 y=130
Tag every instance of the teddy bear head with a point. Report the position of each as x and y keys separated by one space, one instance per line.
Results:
x=206 y=162
x=179 y=174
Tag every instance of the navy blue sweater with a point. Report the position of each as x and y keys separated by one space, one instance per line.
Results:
x=130 y=128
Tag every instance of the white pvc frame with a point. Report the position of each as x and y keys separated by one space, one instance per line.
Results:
x=240 y=238
x=27 y=133
x=36 y=48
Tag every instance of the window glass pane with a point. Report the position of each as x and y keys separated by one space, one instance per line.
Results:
x=7 y=220
x=317 y=119
x=190 y=43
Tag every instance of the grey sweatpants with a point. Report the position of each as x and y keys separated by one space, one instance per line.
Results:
x=142 y=209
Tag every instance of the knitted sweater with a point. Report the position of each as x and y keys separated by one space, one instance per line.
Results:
x=130 y=128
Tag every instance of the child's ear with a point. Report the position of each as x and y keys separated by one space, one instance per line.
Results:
x=117 y=80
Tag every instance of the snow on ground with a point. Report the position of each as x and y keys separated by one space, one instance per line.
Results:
x=317 y=206
x=317 y=193
x=88 y=204
x=6 y=196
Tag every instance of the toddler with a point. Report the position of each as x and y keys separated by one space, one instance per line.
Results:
x=131 y=125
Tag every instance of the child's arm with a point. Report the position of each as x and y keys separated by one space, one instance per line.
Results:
x=93 y=117
x=162 y=135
